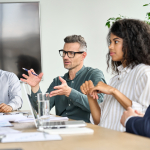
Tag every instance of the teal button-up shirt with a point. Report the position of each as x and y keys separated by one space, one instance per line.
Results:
x=75 y=106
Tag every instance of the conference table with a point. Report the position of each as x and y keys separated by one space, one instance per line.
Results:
x=101 y=139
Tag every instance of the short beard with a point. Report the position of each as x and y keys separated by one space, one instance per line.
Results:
x=71 y=67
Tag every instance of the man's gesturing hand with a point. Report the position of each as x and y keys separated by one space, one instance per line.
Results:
x=62 y=89
x=32 y=80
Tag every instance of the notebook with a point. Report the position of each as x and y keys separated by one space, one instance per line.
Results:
x=51 y=124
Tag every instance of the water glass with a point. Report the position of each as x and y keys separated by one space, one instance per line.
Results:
x=43 y=107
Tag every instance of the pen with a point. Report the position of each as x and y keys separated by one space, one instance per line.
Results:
x=31 y=72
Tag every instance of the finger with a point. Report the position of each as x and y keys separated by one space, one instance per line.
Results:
x=91 y=85
x=94 y=90
x=23 y=80
x=87 y=85
x=40 y=75
x=62 y=80
x=58 y=87
x=8 y=110
x=4 y=108
x=56 y=92
x=30 y=73
x=25 y=76
x=121 y=119
x=2 y=105
x=82 y=90
x=95 y=95
x=32 y=70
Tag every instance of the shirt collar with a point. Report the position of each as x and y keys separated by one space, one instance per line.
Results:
x=66 y=76
x=122 y=69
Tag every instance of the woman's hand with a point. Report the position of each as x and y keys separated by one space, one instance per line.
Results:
x=86 y=89
x=102 y=88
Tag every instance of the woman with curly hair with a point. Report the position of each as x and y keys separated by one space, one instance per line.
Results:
x=129 y=58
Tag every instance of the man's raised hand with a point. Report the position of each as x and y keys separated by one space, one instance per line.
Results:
x=31 y=79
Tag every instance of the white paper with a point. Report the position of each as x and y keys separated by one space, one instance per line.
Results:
x=83 y=130
x=11 y=117
x=5 y=124
x=29 y=137
x=5 y=130
x=25 y=119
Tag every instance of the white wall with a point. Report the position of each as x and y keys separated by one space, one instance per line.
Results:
x=60 y=18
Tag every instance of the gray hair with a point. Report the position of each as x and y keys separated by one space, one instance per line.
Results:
x=79 y=39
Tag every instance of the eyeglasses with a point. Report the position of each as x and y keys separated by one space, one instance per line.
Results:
x=70 y=54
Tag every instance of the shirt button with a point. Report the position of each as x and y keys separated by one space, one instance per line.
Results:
x=66 y=113
x=72 y=81
x=70 y=99
x=69 y=104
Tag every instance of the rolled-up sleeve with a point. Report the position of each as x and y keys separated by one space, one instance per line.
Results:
x=141 y=98
x=14 y=92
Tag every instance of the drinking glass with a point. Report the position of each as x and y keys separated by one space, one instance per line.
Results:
x=43 y=107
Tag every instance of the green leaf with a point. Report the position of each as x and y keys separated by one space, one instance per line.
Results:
x=146 y=5
x=118 y=18
x=148 y=14
x=107 y=23
x=109 y=19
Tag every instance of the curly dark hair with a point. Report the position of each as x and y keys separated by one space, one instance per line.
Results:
x=136 y=43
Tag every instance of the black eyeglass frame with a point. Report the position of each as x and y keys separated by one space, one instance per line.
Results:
x=69 y=51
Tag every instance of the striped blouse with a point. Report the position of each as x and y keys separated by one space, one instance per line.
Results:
x=134 y=84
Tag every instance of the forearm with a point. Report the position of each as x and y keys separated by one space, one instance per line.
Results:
x=35 y=88
x=95 y=110
x=121 y=98
x=79 y=100
x=139 y=126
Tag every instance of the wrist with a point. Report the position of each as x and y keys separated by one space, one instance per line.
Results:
x=112 y=91
x=35 y=88
x=68 y=92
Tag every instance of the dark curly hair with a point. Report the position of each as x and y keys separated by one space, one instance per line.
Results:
x=136 y=43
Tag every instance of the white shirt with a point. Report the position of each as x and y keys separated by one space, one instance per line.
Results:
x=10 y=90
x=134 y=84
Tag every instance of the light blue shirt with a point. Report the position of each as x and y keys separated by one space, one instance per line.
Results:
x=10 y=90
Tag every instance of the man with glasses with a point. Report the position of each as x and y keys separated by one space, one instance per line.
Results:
x=65 y=91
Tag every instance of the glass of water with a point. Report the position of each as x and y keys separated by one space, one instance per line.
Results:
x=43 y=107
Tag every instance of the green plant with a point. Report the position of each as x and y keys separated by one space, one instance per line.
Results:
x=147 y=15
x=110 y=21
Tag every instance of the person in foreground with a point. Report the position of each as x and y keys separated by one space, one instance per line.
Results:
x=129 y=57
x=10 y=92
x=136 y=122
x=65 y=91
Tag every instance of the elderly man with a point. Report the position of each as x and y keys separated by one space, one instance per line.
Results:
x=10 y=92
x=65 y=91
